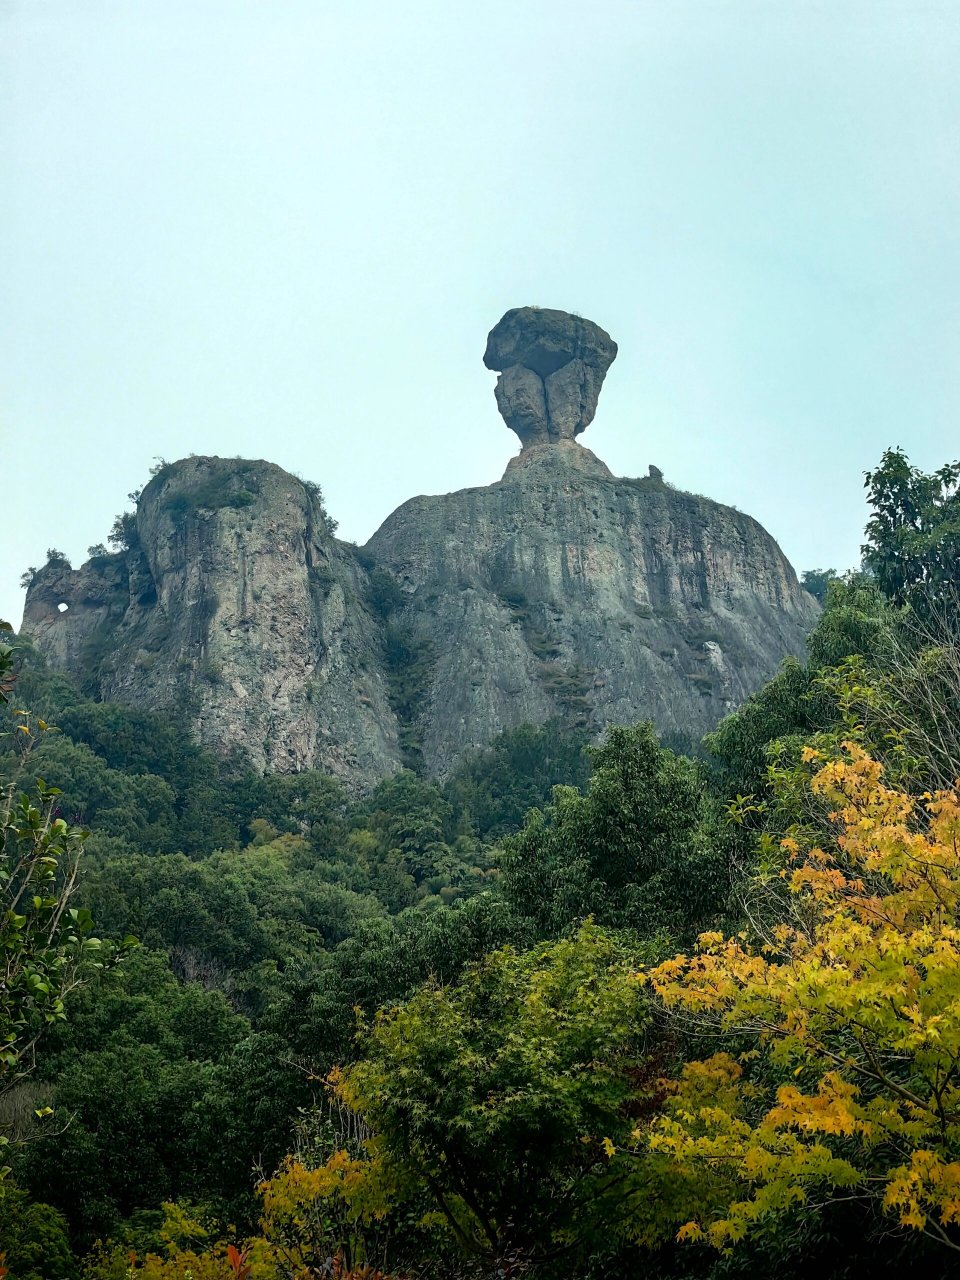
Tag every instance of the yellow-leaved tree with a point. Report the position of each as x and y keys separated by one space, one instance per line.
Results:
x=840 y=1075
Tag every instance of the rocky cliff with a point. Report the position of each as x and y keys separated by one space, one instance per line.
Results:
x=559 y=591
x=236 y=605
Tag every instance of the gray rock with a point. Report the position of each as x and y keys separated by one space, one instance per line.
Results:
x=239 y=609
x=522 y=401
x=564 y=591
x=552 y=367
x=559 y=591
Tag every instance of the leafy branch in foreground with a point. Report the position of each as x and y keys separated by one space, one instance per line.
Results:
x=839 y=1077
x=46 y=946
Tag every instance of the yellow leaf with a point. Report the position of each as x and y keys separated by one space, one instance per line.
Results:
x=689 y=1231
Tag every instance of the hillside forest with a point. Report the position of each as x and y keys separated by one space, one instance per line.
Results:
x=574 y=1011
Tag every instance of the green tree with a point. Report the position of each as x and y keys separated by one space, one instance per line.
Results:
x=46 y=945
x=501 y=1097
x=410 y=817
x=817 y=581
x=33 y=1239
x=913 y=535
x=492 y=790
x=167 y=1074
x=629 y=851
x=382 y=961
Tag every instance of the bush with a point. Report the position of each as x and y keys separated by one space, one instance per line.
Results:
x=33 y=1238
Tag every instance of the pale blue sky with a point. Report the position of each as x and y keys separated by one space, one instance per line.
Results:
x=282 y=229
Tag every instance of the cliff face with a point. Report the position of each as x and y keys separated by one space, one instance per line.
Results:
x=565 y=591
x=559 y=591
x=239 y=607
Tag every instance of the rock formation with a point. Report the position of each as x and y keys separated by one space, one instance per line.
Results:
x=553 y=366
x=558 y=591
x=238 y=607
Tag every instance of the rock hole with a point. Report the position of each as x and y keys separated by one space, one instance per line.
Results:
x=63 y=606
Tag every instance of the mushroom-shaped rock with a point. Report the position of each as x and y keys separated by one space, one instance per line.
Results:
x=552 y=365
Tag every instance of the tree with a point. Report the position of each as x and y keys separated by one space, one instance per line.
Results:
x=628 y=852
x=817 y=581
x=409 y=817
x=33 y=1238
x=43 y=942
x=123 y=535
x=495 y=787
x=838 y=1075
x=913 y=535
x=495 y=1097
x=46 y=946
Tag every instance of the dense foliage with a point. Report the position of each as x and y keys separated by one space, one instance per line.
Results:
x=913 y=546
x=573 y=1011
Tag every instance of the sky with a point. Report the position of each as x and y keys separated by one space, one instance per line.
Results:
x=282 y=229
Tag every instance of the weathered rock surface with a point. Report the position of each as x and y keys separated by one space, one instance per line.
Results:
x=563 y=591
x=558 y=591
x=238 y=607
x=553 y=366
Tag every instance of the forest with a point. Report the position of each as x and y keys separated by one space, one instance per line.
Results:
x=577 y=1010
